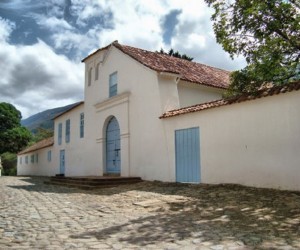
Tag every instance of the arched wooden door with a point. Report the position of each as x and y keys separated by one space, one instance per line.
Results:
x=113 y=147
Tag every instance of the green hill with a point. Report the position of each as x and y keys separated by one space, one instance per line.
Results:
x=44 y=118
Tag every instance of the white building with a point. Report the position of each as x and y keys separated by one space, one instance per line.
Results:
x=154 y=116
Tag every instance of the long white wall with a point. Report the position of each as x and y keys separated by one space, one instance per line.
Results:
x=37 y=163
x=254 y=143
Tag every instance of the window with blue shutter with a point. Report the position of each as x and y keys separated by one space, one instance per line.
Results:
x=26 y=159
x=49 y=155
x=32 y=158
x=68 y=131
x=37 y=158
x=113 y=84
x=81 y=125
x=59 y=133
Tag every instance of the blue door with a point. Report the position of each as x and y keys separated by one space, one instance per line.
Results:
x=113 y=147
x=187 y=153
x=62 y=162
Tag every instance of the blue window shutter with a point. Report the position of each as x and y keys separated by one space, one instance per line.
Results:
x=49 y=155
x=81 y=125
x=113 y=84
x=59 y=133
x=68 y=130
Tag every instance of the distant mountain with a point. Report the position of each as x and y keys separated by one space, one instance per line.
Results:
x=44 y=119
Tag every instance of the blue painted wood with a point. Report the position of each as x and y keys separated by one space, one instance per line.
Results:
x=187 y=153
x=113 y=147
x=59 y=133
x=62 y=162
x=113 y=84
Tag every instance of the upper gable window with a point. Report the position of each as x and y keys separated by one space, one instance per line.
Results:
x=90 y=77
x=113 y=84
x=97 y=71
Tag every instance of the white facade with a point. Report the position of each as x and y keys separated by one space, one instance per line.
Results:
x=251 y=143
x=255 y=143
x=39 y=162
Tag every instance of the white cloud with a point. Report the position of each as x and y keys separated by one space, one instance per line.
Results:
x=135 y=23
x=53 y=23
x=6 y=27
x=139 y=23
x=34 y=78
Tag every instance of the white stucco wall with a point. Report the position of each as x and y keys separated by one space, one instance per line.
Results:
x=42 y=167
x=75 y=154
x=191 y=93
x=137 y=108
x=254 y=143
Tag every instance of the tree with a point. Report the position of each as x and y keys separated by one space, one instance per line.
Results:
x=176 y=54
x=266 y=33
x=9 y=163
x=42 y=133
x=13 y=136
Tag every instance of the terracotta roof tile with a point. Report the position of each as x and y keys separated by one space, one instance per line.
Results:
x=188 y=71
x=242 y=98
x=39 y=145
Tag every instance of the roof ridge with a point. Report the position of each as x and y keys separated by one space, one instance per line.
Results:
x=116 y=43
x=194 y=72
x=47 y=142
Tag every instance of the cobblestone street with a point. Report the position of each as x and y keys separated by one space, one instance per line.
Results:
x=147 y=215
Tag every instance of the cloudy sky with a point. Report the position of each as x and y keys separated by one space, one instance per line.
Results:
x=43 y=42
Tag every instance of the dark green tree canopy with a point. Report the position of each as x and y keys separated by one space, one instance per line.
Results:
x=176 y=54
x=266 y=33
x=13 y=136
x=10 y=117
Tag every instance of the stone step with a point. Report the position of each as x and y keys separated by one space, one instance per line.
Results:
x=92 y=182
x=75 y=185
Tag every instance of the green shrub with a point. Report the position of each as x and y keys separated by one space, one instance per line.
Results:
x=9 y=164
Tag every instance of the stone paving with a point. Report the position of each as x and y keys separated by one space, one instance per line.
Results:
x=147 y=215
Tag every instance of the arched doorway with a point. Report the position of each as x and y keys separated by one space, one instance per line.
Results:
x=113 y=147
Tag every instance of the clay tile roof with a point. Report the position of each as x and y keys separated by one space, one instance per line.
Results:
x=242 y=98
x=39 y=145
x=188 y=71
